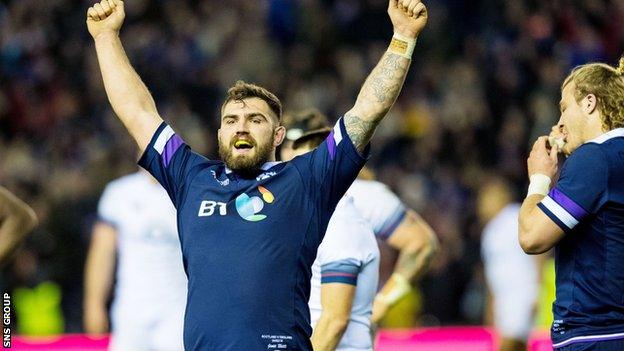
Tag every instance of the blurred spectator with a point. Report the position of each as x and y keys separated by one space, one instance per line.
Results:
x=16 y=220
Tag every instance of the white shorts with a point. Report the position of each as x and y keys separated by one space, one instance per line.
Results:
x=513 y=314
x=155 y=330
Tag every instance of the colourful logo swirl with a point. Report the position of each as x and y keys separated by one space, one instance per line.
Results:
x=248 y=207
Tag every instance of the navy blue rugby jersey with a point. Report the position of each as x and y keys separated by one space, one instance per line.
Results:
x=248 y=244
x=588 y=204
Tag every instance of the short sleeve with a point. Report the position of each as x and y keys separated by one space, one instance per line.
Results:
x=346 y=247
x=381 y=207
x=341 y=271
x=107 y=207
x=332 y=167
x=170 y=160
x=581 y=189
x=338 y=255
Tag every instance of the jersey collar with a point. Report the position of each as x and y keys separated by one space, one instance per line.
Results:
x=614 y=133
x=265 y=167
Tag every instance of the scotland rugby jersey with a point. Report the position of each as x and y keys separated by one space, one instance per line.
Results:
x=588 y=204
x=248 y=244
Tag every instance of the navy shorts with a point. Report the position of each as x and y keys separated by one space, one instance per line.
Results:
x=605 y=345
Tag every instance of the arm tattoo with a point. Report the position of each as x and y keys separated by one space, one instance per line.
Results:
x=387 y=79
x=360 y=131
x=377 y=95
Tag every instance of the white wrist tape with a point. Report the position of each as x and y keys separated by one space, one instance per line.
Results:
x=400 y=288
x=402 y=45
x=539 y=184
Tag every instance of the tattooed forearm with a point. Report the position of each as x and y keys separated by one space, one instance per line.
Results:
x=360 y=131
x=376 y=97
x=382 y=86
x=387 y=79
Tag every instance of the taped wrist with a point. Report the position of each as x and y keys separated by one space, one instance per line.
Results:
x=402 y=45
x=539 y=184
x=400 y=288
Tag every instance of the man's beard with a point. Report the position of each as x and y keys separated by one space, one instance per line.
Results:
x=243 y=164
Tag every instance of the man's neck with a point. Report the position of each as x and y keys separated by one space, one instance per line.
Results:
x=593 y=130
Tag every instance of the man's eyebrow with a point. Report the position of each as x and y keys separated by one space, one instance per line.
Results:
x=229 y=116
x=255 y=114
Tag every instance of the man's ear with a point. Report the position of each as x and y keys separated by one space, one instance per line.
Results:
x=589 y=103
x=280 y=133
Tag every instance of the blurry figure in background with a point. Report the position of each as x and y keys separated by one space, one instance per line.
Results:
x=345 y=272
x=16 y=220
x=302 y=127
x=401 y=228
x=137 y=222
x=36 y=302
x=580 y=212
x=512 y=276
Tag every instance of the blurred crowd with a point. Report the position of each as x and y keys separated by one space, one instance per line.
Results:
x=484 y=84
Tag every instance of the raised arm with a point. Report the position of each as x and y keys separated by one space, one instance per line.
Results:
x=383 y=85
x=16 y=220
x=127 y=94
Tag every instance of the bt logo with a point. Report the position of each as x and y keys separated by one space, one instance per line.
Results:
x=248 y=207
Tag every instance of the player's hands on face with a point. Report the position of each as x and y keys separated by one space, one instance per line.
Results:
x=556 y=138
x=107 y=16
x=408 y=17
x=541 y=160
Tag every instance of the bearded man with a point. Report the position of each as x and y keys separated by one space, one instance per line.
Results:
x=250 y=227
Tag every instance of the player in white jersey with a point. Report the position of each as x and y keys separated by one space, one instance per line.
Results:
x=511 y=275
x=403 y=230
x=137 y=223
x=345 y=275
x=391 y=221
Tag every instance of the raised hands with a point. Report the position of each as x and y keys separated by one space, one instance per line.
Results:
x=408 y=17
x=107 y=16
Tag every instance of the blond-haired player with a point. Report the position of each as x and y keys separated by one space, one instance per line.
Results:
x=582 y=214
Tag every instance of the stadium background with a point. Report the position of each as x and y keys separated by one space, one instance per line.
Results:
x=484 y=84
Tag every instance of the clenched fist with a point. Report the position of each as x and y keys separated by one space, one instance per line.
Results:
x=107 y=16
x=408 y=17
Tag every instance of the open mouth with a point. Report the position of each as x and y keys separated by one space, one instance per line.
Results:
x=242 y=145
